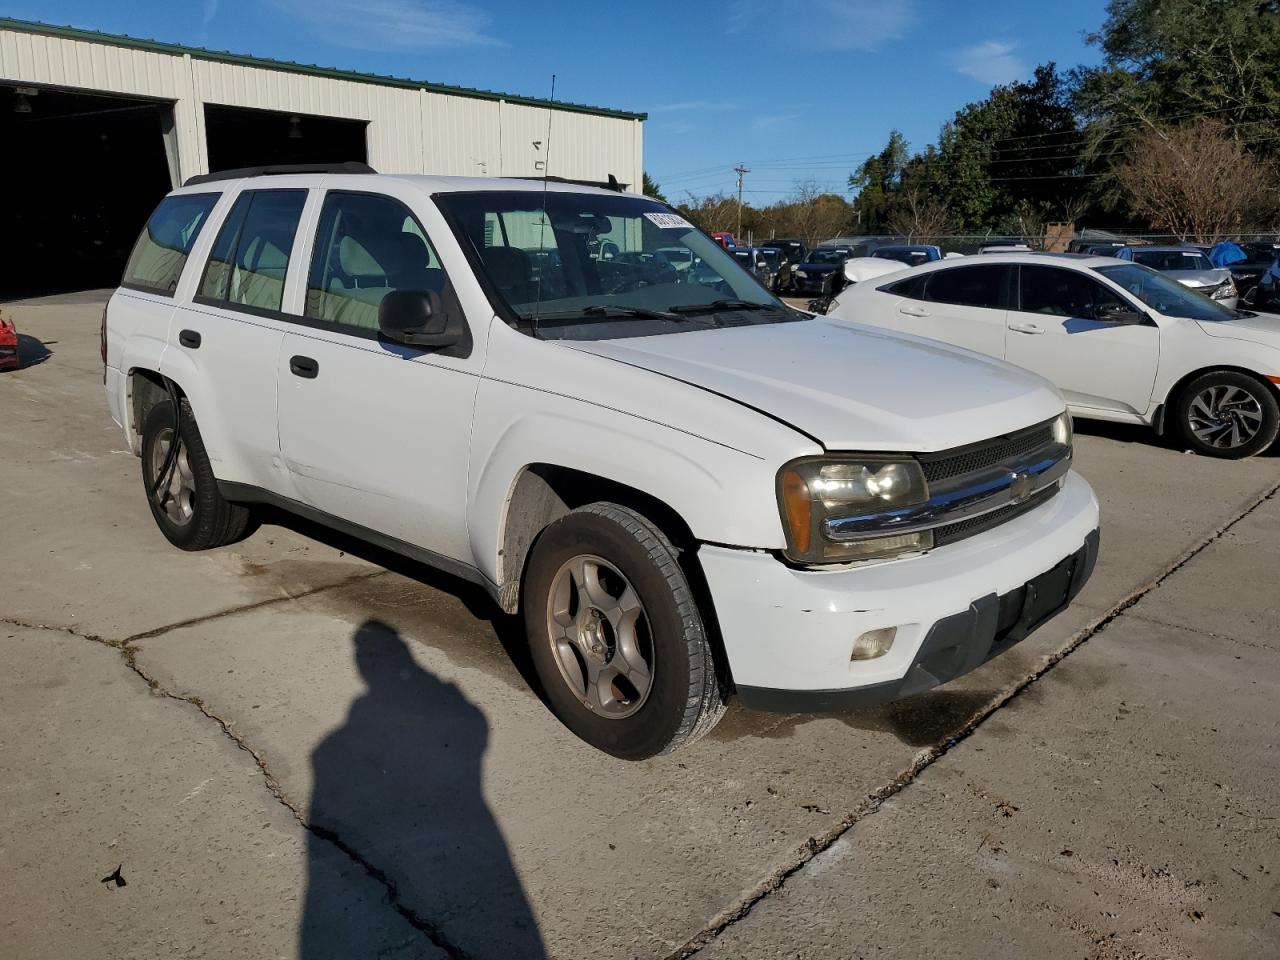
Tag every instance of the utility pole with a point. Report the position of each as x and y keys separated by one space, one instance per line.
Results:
x=741 y=171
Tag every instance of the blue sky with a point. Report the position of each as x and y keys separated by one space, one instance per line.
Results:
x=797 y=89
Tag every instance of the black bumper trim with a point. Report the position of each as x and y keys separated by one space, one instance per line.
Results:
x=954 y=645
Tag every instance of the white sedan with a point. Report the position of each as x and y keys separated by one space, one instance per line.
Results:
x=1121 y=341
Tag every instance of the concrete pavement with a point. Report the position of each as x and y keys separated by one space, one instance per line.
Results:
x=380 y=712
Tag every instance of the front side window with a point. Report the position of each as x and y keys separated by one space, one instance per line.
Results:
x=589 y=265
x=367 y=245
x=1063 y=293
x=250 y=258
x=161 y=251
x=982 y=286
x=1165 y=295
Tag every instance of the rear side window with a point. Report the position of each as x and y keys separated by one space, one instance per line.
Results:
x=912 y=287
x=250 y=258
x=161 y=251
x=984 y=286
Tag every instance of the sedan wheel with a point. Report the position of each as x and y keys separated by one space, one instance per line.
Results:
x=1228 y=414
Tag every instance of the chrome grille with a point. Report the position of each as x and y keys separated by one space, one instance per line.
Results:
x=975 y=525
x=979 y=456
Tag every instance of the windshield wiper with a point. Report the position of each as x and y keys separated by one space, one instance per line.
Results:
x=715 y=305
x=600 y=311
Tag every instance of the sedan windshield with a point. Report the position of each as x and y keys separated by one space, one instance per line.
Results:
x=1172 y=259
x=1165 y=295
x=828 y=256
x=599 y=262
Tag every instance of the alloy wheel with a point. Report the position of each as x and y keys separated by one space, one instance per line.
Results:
x=177 y=497
x=1225 y=416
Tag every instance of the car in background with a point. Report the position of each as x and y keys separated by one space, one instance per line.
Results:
x=1247 y=260
x=756 y=263
x=1096 y=248
x=1004 y=246
x=724 y=239
x=809 y=275
x=681 y=259
x=1190 y=267
x=912 y=254
x=8 y=344
x=1122 y=342
x=792 y=252
x=1266 y=293
x=855 y=270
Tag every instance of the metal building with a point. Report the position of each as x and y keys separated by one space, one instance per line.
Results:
x=95 y=128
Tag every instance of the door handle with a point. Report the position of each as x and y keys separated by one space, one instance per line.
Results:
x=304 y=367
x=189 y=338
x=1026 y=328
x=914 y=311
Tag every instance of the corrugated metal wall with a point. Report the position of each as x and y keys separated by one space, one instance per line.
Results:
x=410 y=131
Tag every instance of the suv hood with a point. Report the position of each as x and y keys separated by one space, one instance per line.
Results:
x=846 y=385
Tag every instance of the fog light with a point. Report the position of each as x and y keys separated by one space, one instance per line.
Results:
x=873 y=643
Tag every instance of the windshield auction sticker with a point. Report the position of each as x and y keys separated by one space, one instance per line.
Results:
x=669 y=221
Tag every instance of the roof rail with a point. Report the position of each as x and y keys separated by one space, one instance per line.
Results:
x=350 y=166
x=610 y=184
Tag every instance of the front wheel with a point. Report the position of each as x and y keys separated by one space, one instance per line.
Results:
x=616 y=635
x=1228 y=414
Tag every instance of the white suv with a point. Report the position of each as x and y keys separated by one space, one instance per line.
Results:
x=685 y=487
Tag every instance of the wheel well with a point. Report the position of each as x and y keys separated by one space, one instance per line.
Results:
x=543 y=493
x=146 y=390
x=1172 y=397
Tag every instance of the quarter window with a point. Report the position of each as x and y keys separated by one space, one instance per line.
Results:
x=250 y=258
x=366 y=247
x=161 y=251
x=912 y=287
x=983 y=286
x=1062 y=293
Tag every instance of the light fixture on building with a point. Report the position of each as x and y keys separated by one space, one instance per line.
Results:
x=295 y=128
x=21 y=99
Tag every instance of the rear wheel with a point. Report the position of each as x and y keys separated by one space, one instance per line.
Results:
x=1228 y=414
x=616 y=636
x=187 y=507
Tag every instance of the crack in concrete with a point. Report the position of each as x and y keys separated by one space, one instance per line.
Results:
x=129 y=654
x=927 y=757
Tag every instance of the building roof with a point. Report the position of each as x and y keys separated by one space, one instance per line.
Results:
x=309 y=69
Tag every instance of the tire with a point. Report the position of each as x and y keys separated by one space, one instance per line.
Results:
x=1228 y=414
x=189 y=510
x=574 y=632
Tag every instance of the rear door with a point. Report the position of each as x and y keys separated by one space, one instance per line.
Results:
x=1097 y=364
x=232 y=330
x=374 y=432
x=964 y=306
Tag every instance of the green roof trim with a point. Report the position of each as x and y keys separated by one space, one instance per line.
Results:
x=309 y=69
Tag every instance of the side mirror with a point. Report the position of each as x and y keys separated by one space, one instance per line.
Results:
x=1119 y=314
x=414 y=318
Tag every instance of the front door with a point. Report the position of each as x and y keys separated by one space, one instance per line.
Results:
x=374 y=432
x=1054 y=331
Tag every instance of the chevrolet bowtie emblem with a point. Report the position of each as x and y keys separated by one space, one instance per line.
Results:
x=1020 y=487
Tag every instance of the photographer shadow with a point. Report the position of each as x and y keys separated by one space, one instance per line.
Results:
x=400 y=786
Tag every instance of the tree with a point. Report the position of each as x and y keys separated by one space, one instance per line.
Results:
x=1197 y=181
x=919 y=217
x=813 y=215
x=712 y=213
x=651 y=188
x=876 y=180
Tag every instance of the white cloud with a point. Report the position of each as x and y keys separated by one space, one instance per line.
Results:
x=403 y=24
x=208 y=10
x=827 y=24
x=771 y=120
x=991 y=62
x=690 y=106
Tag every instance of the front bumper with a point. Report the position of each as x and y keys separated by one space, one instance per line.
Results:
x=788 y=633
x=807 y=284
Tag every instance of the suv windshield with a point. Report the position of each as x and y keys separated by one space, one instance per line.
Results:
x=1166 y=296
x=1172 y=259
x=828 y=256
x=598 y=262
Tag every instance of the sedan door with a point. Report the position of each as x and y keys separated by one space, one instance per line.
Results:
x=964 y=306
x=1056 y=330
x=376 y=433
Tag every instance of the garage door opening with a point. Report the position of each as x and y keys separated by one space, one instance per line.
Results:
x=240 y=137
x=79 y=174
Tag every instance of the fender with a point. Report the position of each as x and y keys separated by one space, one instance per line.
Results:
x=725 y=496
x=199 y=385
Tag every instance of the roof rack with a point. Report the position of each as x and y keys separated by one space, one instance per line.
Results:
x=350 y=166
x=610 y=184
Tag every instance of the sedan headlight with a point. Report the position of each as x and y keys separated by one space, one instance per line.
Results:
x=1224 y=290
x=817 y=489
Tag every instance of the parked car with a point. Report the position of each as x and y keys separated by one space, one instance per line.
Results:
x=1190 y=267
x=1004 y=246
x=774 y=263
x=1122 y=341
x=1096 y=248
x=1247 y=261
x=792 y=252
x=758 y=264
x=8 y=343
x=685 y=488
x=809 y=275
x=910 y=254
x=854 y=270
x=724 y=239
x=1266 y=292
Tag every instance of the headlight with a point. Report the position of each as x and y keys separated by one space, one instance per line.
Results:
x=1224 y=290
x=1062 y=429
x=814 y=490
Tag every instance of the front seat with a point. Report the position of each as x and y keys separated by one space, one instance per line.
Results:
x=511 y=272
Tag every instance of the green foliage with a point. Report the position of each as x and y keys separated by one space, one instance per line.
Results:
x=651 y=188
x=876 y=181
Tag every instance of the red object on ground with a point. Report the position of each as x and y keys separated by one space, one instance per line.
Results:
x=8 y=344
